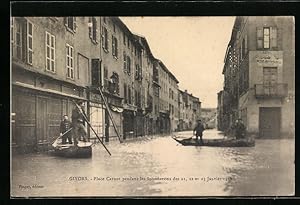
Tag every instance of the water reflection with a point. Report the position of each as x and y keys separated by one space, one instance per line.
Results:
x=266 y=169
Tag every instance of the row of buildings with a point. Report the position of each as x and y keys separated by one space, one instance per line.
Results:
x=58 y=60
x=259 y=77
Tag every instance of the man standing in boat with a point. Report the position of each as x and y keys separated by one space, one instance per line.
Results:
x=65 y=125
x=78 y=122
x=198 y=130
x=239 y=129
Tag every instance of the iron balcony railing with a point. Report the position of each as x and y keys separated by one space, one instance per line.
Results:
x=278 y=90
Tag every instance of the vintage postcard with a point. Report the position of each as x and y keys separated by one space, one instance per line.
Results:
x=107 y=106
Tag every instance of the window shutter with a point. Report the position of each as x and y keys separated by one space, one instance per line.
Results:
x=90 y=25
x=29 y=42
x=102 y=37
x=112 y=45
x=124 y=65
x=259 y=37
x=116 y=47
x=273 y=37
x=95 y=27
x=74 y=24
x=246 y=43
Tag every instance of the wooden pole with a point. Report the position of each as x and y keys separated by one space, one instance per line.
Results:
x=91 y=127
x=110 y=115
x=62 y=134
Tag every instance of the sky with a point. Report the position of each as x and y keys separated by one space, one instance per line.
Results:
x=192 y=48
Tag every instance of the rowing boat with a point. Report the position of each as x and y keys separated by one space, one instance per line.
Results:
x=227 y=142
x=82 y=150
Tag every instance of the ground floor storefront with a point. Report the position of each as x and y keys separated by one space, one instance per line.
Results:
x=36 y=117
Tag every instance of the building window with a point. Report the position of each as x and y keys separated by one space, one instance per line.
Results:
x=124 y=38
x=114 y=46
x=124 y=62
x=50 y=52
x=104 y=20
x=105 y=39
x=114 y=83
x=19 y=32
x=96 y=72
x=128 y=43
x=128 y=65
x=136 y=97
x=266 y=38
x=22 y=42
x=70 y=23
x=138 y=73
x=70 y=61
x=106 y=81
x=114 y=27
x=129 y=95
x=125 y=93
x=93 y=28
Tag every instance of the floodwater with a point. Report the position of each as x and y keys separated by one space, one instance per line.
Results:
x=159 y=166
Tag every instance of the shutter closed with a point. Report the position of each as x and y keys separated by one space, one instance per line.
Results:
x=90 y=25
x=116 y=47
x=259 y=37
x=273 y=37
x=246 y=43
x=112 y=45
x=74 y=24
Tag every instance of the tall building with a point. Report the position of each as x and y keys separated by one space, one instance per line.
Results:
x=51 y=66
x=259 y=75
x=58 y=60
x=147 y=85
x=189 y=110
x=168 y=105
x=122 y=73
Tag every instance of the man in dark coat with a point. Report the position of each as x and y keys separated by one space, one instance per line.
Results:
x=78 y=122
x=239 y=129
x=198 y=130
x=65 y=125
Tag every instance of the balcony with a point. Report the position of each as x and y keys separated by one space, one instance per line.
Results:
x=271 y=91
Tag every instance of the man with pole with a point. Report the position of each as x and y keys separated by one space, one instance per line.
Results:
x=78 y=122
x=82 y=117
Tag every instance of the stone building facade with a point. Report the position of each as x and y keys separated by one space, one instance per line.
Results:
x=58 y=60
x=259 y=76
x=189 y=110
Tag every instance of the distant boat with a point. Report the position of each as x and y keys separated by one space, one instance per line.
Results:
x=247 y=142
x=82 y=150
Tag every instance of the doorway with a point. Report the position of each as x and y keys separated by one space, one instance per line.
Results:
x=269 y=122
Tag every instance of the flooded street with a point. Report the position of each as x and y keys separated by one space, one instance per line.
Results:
x=159 y=166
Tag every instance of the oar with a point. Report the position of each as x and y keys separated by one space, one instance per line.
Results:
x=62 y=134
x=91 y=126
